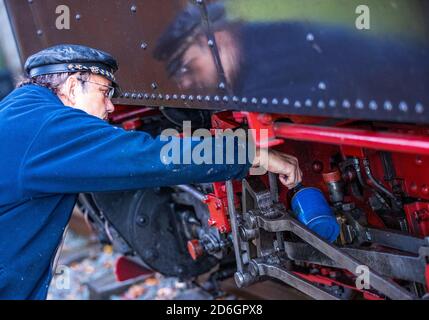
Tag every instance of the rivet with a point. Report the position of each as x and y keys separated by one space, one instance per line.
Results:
x=167 y=97
x=78 y=17
x=403 y=106
x=332 y=103
x=207 y=98
x=191 y=98
x=308 y=103
x=30 y=1
x=286 y=101
x=175 y=97
x=297 y=104
x=373 y=105
x=388 y=106
x=133 y=9
x=216 y=98
x=183 y=97
x=346 y=104
x=154 y=86
x=225 y=99
x=199 y=97
x=275 y=101
x=419 y=108
x=126 y=95
x=359 y=104
x=153 y=96
x=146 y=96
x=254 y=100
x=321 y=104
x=39 y=32
x=322 y=86
x=200 y=1
x=310 y=37
x=143 y=45
x=160 y=97
x=264 y=101
x=222 y=86
x=210 y=43
x=134 y=96
x=140 y=96
x=235 y=99
x=244 y=100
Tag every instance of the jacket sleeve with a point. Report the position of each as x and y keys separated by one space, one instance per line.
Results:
x=75 y=152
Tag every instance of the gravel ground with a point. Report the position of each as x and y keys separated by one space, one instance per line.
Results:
x=84 y=267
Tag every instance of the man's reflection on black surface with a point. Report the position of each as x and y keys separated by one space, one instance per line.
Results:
x=296 y=59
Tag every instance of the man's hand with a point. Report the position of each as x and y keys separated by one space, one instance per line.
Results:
x=283 y=164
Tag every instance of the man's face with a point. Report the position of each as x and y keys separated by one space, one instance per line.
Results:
x=89 y=95
x=92 y=97
x=198 y=70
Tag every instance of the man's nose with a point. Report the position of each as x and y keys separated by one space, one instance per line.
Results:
x=109 y=106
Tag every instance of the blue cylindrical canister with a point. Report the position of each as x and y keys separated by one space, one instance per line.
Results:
x=311 y=208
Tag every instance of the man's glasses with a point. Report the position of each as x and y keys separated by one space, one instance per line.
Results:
x=108 y=94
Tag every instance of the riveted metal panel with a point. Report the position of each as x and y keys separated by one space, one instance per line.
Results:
x=282 y=56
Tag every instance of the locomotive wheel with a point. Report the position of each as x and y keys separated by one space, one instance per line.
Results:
x=148 y=222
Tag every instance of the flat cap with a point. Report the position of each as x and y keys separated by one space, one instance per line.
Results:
x=181 y=32
x=72 y=58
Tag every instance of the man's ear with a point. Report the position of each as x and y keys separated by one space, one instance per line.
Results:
x=69 y=90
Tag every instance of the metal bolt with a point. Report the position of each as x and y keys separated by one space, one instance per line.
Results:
x=144 y=45
x=297 y=104
x=225 y=99
x=419 y=160
x=39 y=32
x=275 y=101
x=78 y=17
x=210 y=43
x=244 y=100
x=133 y=9
x=332 y=103
x=222 y=86
x=286 y=101
x=254 y=100
x=154 y=85
x=308 y=103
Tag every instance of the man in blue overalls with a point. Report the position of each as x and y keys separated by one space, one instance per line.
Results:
x=54 y=144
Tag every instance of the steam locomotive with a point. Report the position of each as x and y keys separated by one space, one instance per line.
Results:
x=351 y=104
